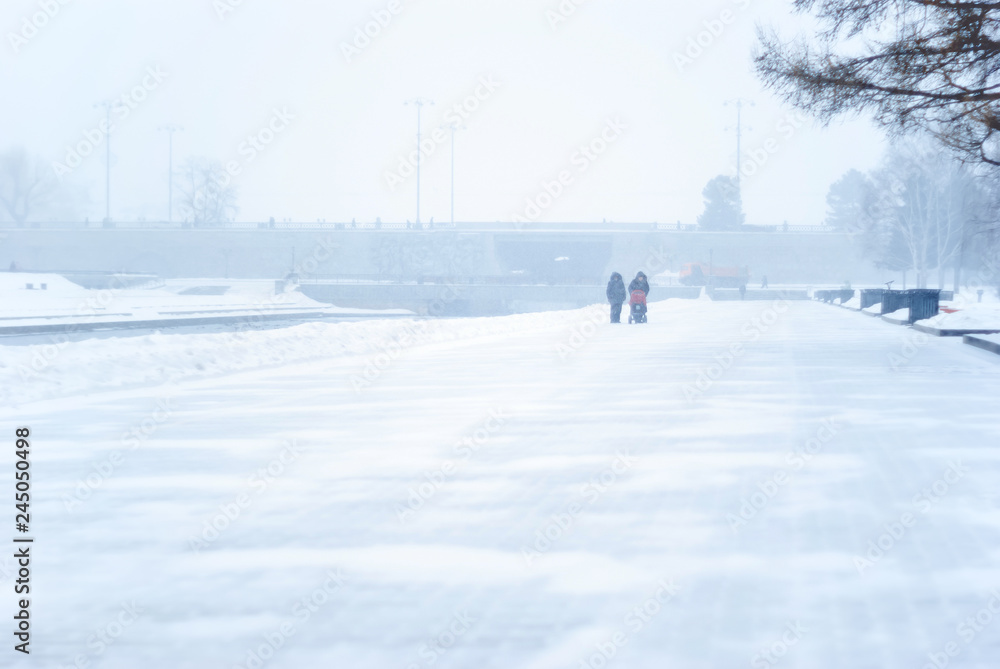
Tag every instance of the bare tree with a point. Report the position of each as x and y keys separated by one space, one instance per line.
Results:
x=928 y=207
x=26 y=185
x=912 y=64
x=207 y=197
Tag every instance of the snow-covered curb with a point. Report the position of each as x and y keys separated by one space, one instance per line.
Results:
x=986 y=342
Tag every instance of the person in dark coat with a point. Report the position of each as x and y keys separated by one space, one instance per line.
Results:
x=616 y=296
x=640 y=282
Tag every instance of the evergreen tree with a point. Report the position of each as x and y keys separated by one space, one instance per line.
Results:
x=723 y=206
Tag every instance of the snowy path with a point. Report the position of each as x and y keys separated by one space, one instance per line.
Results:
x=637 y=476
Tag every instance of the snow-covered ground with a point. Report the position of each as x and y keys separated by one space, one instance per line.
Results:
x=969 y=316
x=62 y=301
x=733 y=484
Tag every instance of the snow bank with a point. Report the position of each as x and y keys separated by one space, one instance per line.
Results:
x=64 y=299
x=873 y=309
x=16 y=282
x=899 y=314
x=970 y=317
x=853 y=303
x=60 y=368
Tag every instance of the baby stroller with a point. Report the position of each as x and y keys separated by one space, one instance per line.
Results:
x=637 y=307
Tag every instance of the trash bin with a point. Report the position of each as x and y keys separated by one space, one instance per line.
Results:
x=923 y=303
x=894 y=300
x=871 y=296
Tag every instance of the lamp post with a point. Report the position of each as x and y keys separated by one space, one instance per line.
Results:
x=419 y=104
x=739 y=102
x=170 y=130
x=107 y=105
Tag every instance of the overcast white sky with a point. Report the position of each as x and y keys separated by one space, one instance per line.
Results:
x=558 y=87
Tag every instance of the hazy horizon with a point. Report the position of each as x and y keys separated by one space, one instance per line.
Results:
x=224 y=72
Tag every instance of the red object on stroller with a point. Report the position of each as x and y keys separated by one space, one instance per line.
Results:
x=637 y=307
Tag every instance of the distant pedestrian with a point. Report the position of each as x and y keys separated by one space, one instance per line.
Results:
x=616 y=296
x=743 y=291
x=763 y=282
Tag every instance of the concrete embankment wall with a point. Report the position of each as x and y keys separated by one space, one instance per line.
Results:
x=591 y=255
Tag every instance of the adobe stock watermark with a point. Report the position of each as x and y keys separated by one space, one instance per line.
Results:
x=582 y=159
x=785 y=129
x=923 y=502
x=967 y=631
x=456 y=115
x=435 y=479
x=44 y=356
x=121 y=109
x=562 y=522
x=771 y=655
x=106 y=636
x=301 y=613
x=412 y=334
x=909 y=347
x=131 y=440
x=256 y=142
x=32 y=25
x=438 y=646
x=366 y=35
x=713 y=30
x=751 y=331
x=562 y=13
x=258 y=482
x=768 y=489
x=584 y=331
x=656 y=261
x=254 y=321
x=223 y=8
x=634 y=622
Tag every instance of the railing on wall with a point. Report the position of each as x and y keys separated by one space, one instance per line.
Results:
x=460 y=227
x=505 y=280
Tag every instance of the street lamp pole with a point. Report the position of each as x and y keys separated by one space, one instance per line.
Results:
x=419 y=104
x=170 y=130
x=106 y=105
x=739 y=102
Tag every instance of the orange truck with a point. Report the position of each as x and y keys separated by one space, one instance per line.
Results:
x=700 y=274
